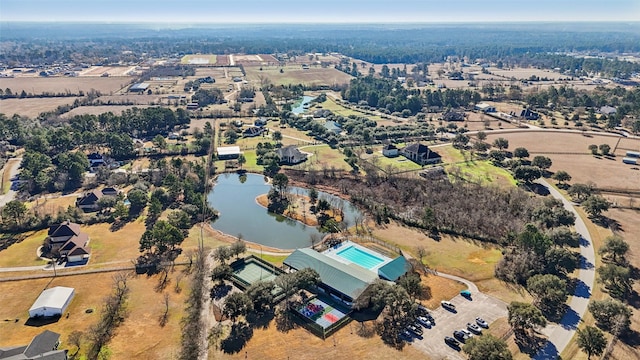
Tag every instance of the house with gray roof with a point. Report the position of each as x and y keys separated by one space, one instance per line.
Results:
x=43 y=346
x=420 y=154
x=290 y=155
x=345 y=281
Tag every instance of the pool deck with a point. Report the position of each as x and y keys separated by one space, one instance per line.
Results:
x=333 y=253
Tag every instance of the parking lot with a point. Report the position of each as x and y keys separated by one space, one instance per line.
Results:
x=480 y=305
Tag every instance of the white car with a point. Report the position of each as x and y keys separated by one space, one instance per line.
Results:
x=424 y=321
x=474 y=328
x=447 y=305
x=481 y=322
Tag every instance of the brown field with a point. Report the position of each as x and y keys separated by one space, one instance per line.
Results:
x=139 y=337
x=32 y=107
x=113 y=71
x=605 y=172
x=629 y=221
x=38 y=85
x=215 y=72
x=53 y=205
x=296 y=75
x=526 y=73
x=300 y=344
x=140 y=99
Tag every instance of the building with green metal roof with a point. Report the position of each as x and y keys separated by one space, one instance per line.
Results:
x=345 y=281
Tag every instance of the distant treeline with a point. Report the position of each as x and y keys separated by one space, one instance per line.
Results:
x=372 y=43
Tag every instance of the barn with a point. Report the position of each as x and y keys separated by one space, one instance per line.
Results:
x=52 y=302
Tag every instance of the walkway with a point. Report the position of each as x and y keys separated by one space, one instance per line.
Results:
x=561 y=334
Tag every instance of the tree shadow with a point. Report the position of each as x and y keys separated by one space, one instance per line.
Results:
x=634 y=299
x=219 y=291
x=539 y=189
x=585 y=264
x=118 y=224
x=534 y=344
x=580 y=288
x=631 y=338
x=240 y=334
x=570 y=320
x=260 y=320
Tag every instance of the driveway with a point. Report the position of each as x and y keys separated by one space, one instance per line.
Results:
x=561 y=334
x=13 y=166
x=480 y=305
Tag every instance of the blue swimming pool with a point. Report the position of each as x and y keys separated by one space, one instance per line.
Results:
x=360 y=257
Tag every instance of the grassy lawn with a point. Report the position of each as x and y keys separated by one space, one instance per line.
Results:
x=119 y=246
x=472 y=169
x=398 y=163
x=139 y=337
x=325 y=157
x=339 y=109
x=24 y=252
x=453 y=255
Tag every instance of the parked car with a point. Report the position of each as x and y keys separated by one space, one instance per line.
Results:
x=447 y=305
x=466 y=332
x=415 y=329
x=474 y=328
x=481 y=322
x=451 y=341
x=459 y=335
x=422 y=310
x=424 y=321
x=406 y=335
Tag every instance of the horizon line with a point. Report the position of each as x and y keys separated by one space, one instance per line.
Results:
x=391 y=22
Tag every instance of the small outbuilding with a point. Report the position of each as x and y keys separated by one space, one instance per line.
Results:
x=390 y=150
x=228 y=152
x=486 y=108
x=52 y=302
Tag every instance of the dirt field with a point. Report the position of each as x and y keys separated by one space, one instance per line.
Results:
x=199 y=59
x=139 y=337
x=296 y=75
x=605 y=172
x=299 y=344
x=34 y=106
x=38 y=85
x=113 y=71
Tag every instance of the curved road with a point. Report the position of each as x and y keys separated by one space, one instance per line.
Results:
x=13 y=165
x=561 y=334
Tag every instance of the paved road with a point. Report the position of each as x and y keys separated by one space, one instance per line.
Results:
x=13 y=166
x=561 y=334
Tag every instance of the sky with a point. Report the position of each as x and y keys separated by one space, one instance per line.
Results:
x=318 y=11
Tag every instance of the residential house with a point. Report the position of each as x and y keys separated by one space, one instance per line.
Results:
x=333 y=127
x=390 y=150
x=486 y=108
x=89 y=201
x=607 y=110
x=67 y=241
x=95 y=159
x=529 y=115
x=453 y=116
x=420 y=154
x=43 y=346
x=252 y=131
x=290 y=155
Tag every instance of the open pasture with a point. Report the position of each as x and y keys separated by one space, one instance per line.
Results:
x=583 y=167
x=97 y=110
x=296 y=75
x=72 y=85
x=140 y=336
x=199 y=59
x=94 y=71
x=32 y=107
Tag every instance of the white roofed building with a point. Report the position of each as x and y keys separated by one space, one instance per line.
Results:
x=52 y=302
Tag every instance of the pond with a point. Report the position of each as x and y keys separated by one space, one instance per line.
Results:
x=299 y=106
x=241 y=214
